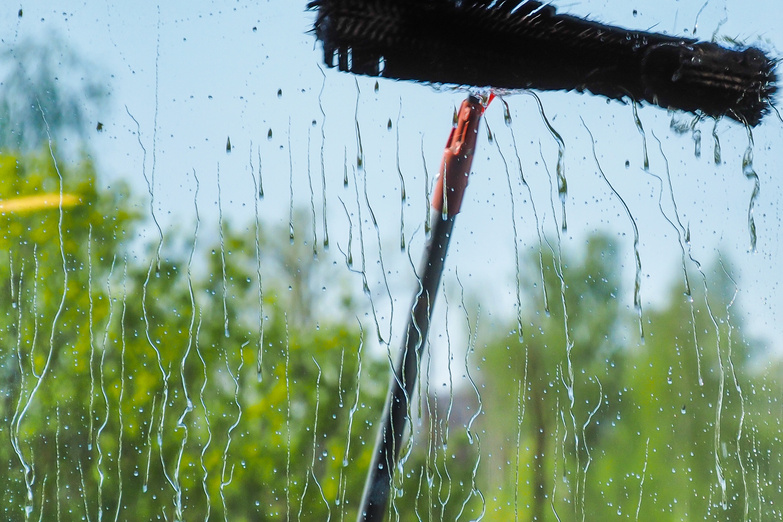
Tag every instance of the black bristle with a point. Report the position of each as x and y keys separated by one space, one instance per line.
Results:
x=527 y=45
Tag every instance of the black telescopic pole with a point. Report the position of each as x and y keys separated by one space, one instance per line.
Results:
x=455 y=168
x=387 y=446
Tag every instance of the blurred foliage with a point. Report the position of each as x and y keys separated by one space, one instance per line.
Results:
x=46 y=85
x=683 y=426
x=130 y=389
x=130 y=385
x=124 y=391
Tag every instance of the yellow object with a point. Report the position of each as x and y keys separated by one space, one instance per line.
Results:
x=38 y=202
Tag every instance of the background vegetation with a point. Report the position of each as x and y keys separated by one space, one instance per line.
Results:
x=130 y=389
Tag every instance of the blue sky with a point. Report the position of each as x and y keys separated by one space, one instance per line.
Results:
x=194 y=73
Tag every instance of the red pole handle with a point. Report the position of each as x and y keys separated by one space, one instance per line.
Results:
x=457 y=158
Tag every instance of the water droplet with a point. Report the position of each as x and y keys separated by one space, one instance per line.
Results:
x=640 y=128
x=747 y=170
x=716 y=140
x=345 y=169
x=747 y=163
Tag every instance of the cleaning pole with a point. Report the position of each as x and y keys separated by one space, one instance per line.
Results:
x=446 y=202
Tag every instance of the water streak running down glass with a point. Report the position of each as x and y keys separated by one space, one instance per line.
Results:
x=211 y=242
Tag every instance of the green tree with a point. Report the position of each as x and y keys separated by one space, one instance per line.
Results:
x=47 y=85
x=125 y=392
x=130 y=383
x=670 y=428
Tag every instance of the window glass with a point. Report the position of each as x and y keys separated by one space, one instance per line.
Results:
x=211 y=242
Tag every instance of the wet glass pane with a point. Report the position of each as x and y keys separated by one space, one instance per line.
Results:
x=211 y=243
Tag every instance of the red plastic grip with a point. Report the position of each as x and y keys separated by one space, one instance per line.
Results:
x=457 y=158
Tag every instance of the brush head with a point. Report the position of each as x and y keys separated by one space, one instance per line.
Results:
x=527 y=45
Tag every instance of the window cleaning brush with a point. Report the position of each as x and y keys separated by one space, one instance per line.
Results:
x=516 y=44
